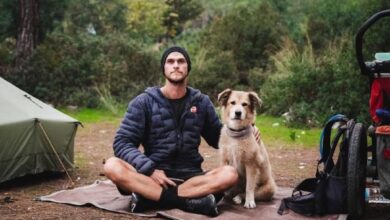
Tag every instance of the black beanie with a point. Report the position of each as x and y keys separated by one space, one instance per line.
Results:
x=175 y=49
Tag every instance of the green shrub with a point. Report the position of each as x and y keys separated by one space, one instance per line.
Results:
x=249 y=33
x=6 y=52
x=67 y=70
x=214 y=72
x=313 y=87
x=235 y=50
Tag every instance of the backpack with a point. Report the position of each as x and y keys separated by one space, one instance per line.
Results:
x=326 y=193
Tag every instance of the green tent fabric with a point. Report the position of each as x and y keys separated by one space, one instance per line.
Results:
x=32 y=134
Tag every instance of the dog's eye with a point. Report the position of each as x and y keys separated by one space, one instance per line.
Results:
x=232 y=102
x=244 y=104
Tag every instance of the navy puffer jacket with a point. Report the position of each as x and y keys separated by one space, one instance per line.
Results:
x=149 y=121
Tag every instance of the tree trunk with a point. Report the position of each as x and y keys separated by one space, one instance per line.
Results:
x=27 y=36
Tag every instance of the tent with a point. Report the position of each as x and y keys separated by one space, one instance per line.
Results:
x=34 y=137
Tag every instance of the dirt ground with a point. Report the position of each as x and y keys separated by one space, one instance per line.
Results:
x=93 y=145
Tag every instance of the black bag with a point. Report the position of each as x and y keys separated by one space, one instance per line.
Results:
x=327 y=192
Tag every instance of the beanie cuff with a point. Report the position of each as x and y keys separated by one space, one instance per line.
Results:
x=175 y=49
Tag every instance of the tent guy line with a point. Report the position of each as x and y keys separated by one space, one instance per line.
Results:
x=55 y=152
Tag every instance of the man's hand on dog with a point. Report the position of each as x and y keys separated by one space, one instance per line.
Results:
x=160 y=178
x=256 y=132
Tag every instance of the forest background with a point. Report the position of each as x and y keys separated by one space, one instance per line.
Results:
x=298 y=55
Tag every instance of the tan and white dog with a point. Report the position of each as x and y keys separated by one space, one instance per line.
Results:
x=239 y=148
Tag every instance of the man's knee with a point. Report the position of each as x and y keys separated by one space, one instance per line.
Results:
x=226 y=177
x=114 y=168
x=229 y=174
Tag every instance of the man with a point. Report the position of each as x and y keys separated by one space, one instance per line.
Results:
x=169 y=122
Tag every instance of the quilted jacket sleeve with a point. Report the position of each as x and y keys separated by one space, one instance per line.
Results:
x=129 y=137
x=212 y=130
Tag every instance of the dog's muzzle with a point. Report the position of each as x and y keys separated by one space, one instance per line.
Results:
x=237 y=115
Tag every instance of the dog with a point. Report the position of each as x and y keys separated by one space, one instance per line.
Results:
x=239 y=148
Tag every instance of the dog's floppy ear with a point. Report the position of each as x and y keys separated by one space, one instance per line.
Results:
x=255 y=100
x=224 y=96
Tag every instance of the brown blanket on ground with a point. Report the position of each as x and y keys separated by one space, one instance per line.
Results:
x=104 y=195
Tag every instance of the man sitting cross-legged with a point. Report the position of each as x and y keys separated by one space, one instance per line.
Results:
x=169 y=122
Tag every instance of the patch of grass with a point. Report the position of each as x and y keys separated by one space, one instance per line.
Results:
x=275 y=132
x=87 y=115
x=273 y=129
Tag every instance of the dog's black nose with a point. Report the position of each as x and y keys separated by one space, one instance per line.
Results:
x=238 y=113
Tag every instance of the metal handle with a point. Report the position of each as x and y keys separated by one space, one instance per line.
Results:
x=359 y=38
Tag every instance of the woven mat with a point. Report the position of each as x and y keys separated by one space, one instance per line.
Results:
x=104 y=195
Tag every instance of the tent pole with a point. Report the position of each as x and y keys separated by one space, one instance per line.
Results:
x=55 y=152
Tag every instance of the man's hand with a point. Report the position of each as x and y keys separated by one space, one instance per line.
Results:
x=160 y=178
x=256 y=132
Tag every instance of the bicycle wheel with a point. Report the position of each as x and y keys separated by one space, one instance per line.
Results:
x=356 y=175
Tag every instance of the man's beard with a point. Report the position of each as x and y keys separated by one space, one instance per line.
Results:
x=177 y=81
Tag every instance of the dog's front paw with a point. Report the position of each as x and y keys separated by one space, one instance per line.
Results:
x=237 y=199
x=250 y=204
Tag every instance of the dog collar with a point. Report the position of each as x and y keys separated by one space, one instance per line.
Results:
x=240 y=132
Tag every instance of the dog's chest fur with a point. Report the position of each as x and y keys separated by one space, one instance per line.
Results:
x=236 y=150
